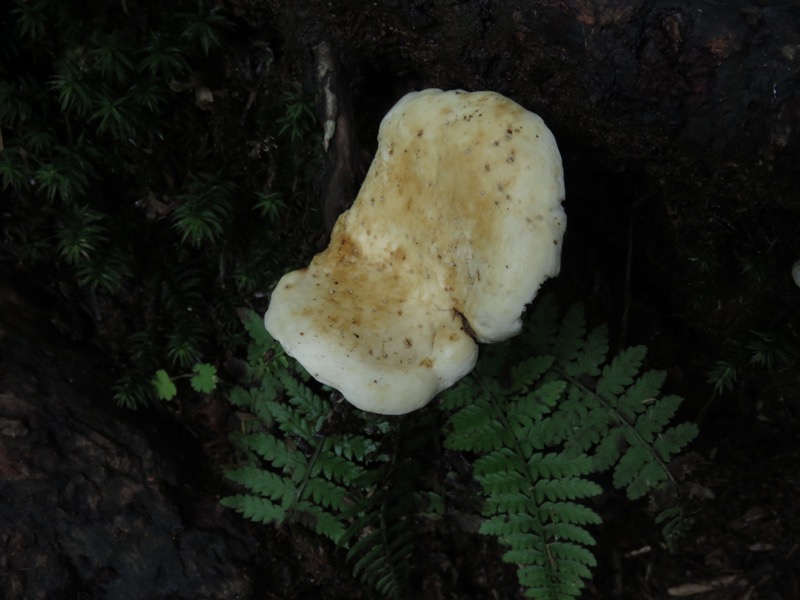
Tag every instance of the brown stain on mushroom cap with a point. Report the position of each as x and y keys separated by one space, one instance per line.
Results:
x=347 y=251
x=470 y=192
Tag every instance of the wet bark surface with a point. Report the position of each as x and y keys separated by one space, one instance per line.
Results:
x=678 y=124
x=104 y=503
x=98 y=503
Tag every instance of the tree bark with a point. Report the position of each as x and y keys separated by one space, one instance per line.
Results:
x=98 y=503
x=678 y=124
x=645 y=79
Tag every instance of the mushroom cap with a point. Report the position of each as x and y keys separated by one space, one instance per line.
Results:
x=456 y=226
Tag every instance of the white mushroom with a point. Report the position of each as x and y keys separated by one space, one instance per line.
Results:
x=796 y=272
x=457 y=224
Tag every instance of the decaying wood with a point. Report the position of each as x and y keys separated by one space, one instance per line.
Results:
x=98 y=503
x=679 y=124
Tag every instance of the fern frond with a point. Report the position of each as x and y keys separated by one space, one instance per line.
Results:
x=505 y=526
x=654 y=415
x=540 y=430
x=383 y=553
x=500 y=460
x=382 y=540
x=523 y=487
x=570 y=512
x=474 y=427
x=308 y=404
x=325 y=493
x=640 y=393
x=276 y=451
x=458 y=396
x=526 y=415
x=354 y=448
x=675 y=439
x=512 y=502
x=569 y=412
x=527 y=372
x=566 y=488
x=637 y=473
x=540 y=334
x=569 y=343
x=262 y=482
x=255 y=508
x=261 y=340
x=502 y=482
x=297 y=474
x=674 y=524
x=559 y=465
x=593 y=354
x=607 y=451
x=621 y=372
x=493 y=362
x=319 y=519
x=337 y=468
x=569 y=532
x=625 y=424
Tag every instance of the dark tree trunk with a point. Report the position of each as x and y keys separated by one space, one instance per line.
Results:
x=97 y=503
x=678 y=124
x=648 y=81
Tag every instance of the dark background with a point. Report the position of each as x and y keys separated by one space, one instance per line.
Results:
x=678 y=126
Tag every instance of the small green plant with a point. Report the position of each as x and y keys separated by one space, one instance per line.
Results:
x=297 y=118
x=203 y=380
x=203 y=27
x=723 y=377
x=204 y=210
x=541 y=419
x=771 y=350
x=763 y=354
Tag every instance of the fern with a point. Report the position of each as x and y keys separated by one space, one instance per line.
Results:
x=381 y=556
x=381 y=542
x=302 y=483
x=296 y=473
x=561 y=416
x=346 y=487
x=619 y=416
x=530 y=495
x=540 y=430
